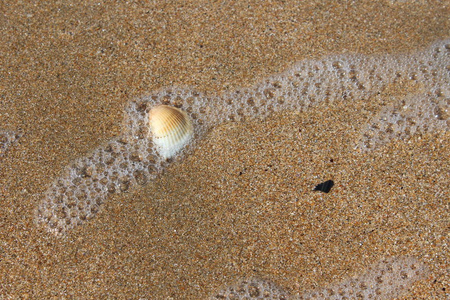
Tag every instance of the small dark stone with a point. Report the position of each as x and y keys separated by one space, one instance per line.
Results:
x=324 y=186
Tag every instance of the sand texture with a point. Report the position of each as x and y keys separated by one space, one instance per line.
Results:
x=236 y=212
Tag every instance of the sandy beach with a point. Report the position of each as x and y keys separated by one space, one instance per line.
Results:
x=240 y=203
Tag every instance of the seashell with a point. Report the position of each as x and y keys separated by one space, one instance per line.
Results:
x=170 y=129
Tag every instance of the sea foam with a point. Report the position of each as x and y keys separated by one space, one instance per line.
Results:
x=386 y=279
x=131 y=159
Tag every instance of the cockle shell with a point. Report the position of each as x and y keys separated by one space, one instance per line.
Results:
x=170 y=129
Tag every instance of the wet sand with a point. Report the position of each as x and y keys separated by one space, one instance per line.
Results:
x=241 y=203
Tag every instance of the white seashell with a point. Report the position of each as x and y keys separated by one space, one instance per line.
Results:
x=170 y=129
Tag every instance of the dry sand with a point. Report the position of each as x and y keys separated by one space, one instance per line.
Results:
x=241 y=204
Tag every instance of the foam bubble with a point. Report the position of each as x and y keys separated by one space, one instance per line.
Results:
x=78 y=194
x=386 y=279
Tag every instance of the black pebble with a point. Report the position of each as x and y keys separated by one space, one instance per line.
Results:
x=324 y=186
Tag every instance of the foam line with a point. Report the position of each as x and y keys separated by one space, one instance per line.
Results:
x=77 y=195
x=386 y=279
x=407 y=116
